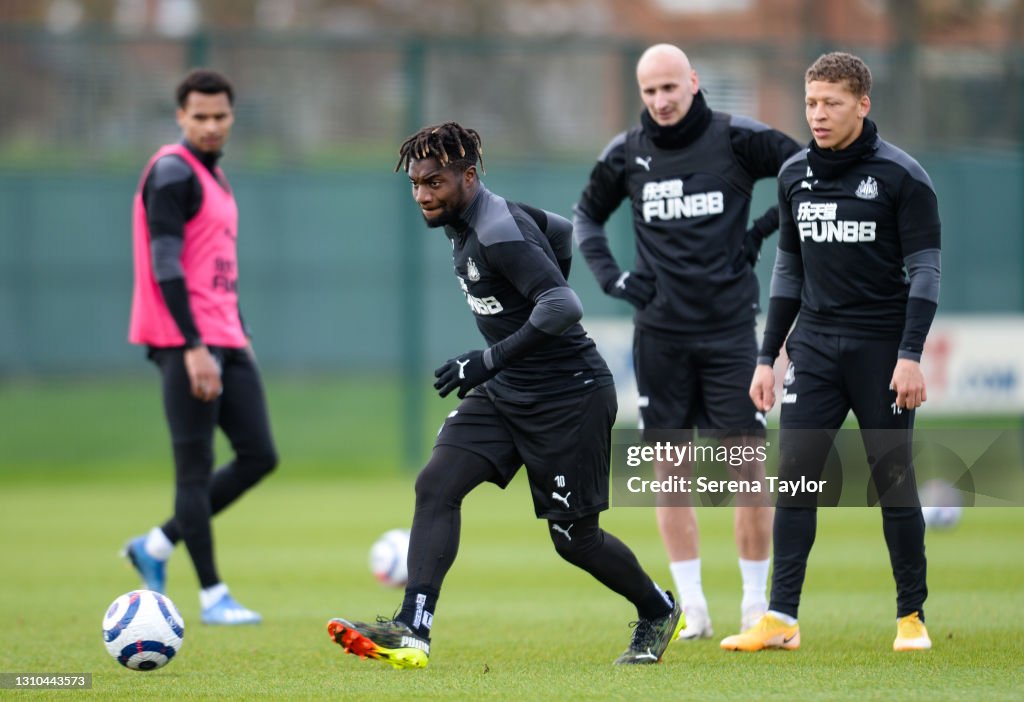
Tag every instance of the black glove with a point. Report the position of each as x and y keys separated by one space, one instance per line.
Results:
x=464 y=372
x=636 y=288
x=752 y=246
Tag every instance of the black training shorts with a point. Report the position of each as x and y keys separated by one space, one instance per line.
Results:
x=686 y=382
x=564 y=444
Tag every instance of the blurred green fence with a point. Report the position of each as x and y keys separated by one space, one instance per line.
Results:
x=336 y=270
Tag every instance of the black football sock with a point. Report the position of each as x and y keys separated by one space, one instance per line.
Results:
x=418 y=610
x=584 y=544
x=448 y=477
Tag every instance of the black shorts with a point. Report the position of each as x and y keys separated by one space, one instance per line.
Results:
x=686 y=382
x=564 y=444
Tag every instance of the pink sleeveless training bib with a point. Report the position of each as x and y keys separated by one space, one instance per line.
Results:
x=209 y=258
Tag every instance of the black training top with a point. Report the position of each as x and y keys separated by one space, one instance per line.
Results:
x=509 y=272
x=690 y=187
x=850 y=225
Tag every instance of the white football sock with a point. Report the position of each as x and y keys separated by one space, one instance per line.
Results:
x=209 y=596
x=686 y=575
x=755 y=582
x=158 y=545
x=784 y=618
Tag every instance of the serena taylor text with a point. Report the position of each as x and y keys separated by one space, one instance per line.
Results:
x=701 y=484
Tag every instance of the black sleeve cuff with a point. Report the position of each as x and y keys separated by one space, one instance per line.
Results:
x=781 y=313
x=176 y=298
x=920 y=314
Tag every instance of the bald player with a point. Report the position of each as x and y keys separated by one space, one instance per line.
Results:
x=688 y=172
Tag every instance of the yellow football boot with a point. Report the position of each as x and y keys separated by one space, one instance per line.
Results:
x=911 y=634
x=768 y=632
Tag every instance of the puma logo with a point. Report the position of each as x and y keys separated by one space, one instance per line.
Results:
x=645 y=162
x=412 y=642
x=563 y=531
x=462 y=368
x=563 y=500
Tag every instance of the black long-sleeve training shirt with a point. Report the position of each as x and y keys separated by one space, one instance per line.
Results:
x=859 y=246
x=513 y=282
x=689 y=186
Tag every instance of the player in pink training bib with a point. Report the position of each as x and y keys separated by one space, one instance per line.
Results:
x=185 y=311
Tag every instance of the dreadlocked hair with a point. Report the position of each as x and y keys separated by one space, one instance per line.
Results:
x=450 y=143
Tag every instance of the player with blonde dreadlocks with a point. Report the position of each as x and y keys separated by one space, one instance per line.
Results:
x=437 y=140
x=538 y=395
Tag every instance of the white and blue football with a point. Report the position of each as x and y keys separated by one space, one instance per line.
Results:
x=941 y=504
x=388 y=557
x=143 y=630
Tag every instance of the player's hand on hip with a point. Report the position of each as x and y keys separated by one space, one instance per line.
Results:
x=203 y=373
x=464 y=372
x=908 y=383
x=635 y=287
x=762 y=387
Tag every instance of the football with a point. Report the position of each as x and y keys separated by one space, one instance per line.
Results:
x=143 y=630
x=388 y=557
x=941 y=504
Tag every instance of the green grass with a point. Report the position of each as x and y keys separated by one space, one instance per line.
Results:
x=84 y=467
x=95 y=427
x=514 y=622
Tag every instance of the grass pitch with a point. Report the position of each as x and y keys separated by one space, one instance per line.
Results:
x=514 y=621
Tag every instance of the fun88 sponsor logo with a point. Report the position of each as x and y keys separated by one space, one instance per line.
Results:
x=817 y=221
x=665 y=200
x=481 y=305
